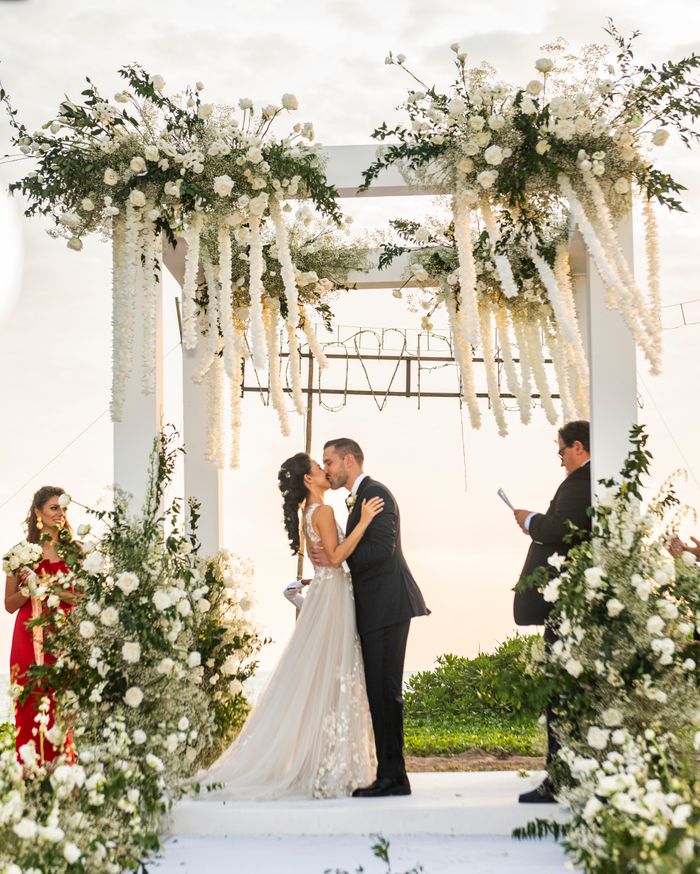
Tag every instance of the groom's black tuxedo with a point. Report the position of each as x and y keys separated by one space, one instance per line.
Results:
x=385 y=591
x=386 y=599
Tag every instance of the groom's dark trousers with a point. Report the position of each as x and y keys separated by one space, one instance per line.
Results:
x=386 y=599
x=383 y=651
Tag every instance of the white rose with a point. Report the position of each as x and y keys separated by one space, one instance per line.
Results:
x=534 y=87
x=574 y=667
x=494 y=155
x=161 y=600
x=121 y=97
x=25 y=829
x=528 y=106
x=655 y=624
x=194 y=659
x=544 y=65
x=466 y=165
x=565 y=129
x=139 y=737
x=223 y=185
x=621 y=186
x=643 y=589
x=456 y=106
x=165 y=666
x=75 y=243
x=660 y=137
x=612 y=717
x=689 y=665
x=615 y=607
x=594 y=577
x=131 y=651
x=667 y=609
x=486 y=178
x=476 y=122
x=151 y=153
x=133 y=696
x=154 y=762
x=158 y=82
x=71 y=853
x=137 y=164
x=597 y=738
x=109 y=617
x=127 y=582
x=172 y=188
x=184 y=608
x=245 y=103
x=64 y=500
x=542 y=147
x=289 y=101
x=551 y=590
x=137 y=198
x=592 y=808
x=206 y=110
x=52 y=834
x=203 y=605
x=70 y=220
x=496 y=122
x=583 y=124
x=254 y=155
x=235 y=687
x=84 y=529
x=111 y=177
x=92 y=608
x=87 y=629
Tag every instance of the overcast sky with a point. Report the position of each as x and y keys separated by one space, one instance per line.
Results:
x=464 y=548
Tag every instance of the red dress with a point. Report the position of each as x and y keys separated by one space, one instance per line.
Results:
x=21 y=657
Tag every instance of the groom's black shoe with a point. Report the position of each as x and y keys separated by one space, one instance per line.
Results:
x=384 y=786
x=544 y=794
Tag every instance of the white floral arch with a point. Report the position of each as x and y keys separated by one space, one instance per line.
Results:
x=610 y=350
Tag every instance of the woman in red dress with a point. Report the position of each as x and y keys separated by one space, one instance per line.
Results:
x=46 y=516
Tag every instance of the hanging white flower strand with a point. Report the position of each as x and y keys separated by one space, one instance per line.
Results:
x=122 y=317
x=271 y=321
x=284 y=256
x=236 y=386
x=514 y=384
x=468 y=313
x=555 y=344
x=463 y=356
x=491 y=367
x=211 y=318
x=215 y=395
x=575 y=352
x=652 y=253
x=189 y=284
x=150 y=284
x=257 y=267
x=225 y=309
x=313 y=341
x=533 y=340
x=519 y=326
x=505 y=271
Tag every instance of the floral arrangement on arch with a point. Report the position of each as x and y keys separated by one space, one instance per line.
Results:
x=520 y=323
x=571 y=144
x=626 y=672
x=149 y=678
x=323 y=256
x=144 y=165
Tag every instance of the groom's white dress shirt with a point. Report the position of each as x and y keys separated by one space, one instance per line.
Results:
x=356 y=484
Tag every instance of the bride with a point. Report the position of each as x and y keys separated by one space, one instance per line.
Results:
x=310 y=734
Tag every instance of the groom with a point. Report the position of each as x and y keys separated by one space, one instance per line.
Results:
x=386 y=599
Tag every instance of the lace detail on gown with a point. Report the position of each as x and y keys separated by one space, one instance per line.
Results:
x=310 y=734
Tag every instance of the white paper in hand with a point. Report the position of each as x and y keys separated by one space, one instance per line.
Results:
x=504 y=497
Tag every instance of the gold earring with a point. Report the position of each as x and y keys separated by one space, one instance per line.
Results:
x=39 y=523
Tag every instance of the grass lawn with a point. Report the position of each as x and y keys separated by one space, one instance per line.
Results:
x=491 y=734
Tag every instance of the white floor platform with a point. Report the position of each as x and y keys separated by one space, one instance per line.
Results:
x=452 y=823
x=467 y=804
x=294 y=854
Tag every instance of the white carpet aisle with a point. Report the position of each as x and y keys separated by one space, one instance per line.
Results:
x=453 y=822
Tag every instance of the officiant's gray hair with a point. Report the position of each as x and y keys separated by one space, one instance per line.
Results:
x=345 y=446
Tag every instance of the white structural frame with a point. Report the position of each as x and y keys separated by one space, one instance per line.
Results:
x=610 y=350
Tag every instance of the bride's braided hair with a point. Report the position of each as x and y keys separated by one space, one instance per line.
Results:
x=291 y=482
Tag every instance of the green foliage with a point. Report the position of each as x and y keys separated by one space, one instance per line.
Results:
x=380 y=848
x=7 y=736
x=540 y=828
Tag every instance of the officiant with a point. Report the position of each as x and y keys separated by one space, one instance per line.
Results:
x=551 y=533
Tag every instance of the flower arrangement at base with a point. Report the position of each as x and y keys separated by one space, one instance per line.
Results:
x=625 y=669
x=571 y=145
x=146 y=165
x=519 y=321
x=149 y=679
x=323 y=256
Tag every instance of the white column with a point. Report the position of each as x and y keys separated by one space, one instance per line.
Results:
x=202 y=479
x=142 y=416
x=613 y=368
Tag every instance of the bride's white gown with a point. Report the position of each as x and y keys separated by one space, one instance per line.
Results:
x=310 y=734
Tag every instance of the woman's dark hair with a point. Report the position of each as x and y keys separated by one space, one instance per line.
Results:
x=291 y=482
x=44 y=494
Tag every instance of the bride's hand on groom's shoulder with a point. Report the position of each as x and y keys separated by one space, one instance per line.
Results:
x=370 y=508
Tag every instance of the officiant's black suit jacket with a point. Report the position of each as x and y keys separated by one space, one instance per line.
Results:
x=548 y=530
x=385 y=591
